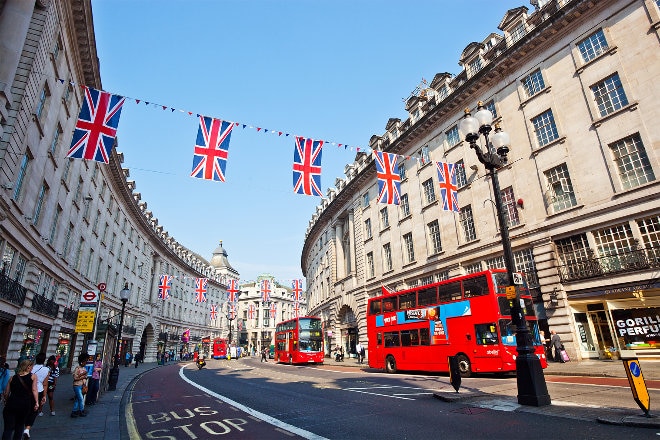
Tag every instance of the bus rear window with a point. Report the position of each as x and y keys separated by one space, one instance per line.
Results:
x=389 y=304
x=427 y=297
x=374 y=307
x=475 y=287
x=407 y=301
x=449 y=292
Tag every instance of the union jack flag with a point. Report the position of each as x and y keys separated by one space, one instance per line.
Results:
x=273 y=311
x=296 y=308
x=200 y=289
x=307 y=166
x=96 y=128
x=297 y=290
x=211 y=149
x=214 y=312
x=232 y=290
x=232 y=311
x=265 y=290
x=448 y=188
x=251 y=311
x=389 y=180
x=165 y=286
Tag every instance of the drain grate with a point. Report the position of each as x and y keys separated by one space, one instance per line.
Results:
x=470 y=410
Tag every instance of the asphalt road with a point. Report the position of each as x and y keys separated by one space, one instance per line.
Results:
x=246 y=399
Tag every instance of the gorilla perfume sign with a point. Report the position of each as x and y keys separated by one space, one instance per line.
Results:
x=639 y=328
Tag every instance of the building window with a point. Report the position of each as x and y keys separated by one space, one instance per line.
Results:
x=632 y=162
x=56 y=140
x=384 y=219
x=609 y=95
x=402 y=171
x=434 y=236
x=67 y=241
x=453 y=137
x=614 y=240
x=43 y=194
x=461 y=178
x=490 y=106
x=405 y=206
x=365 y=199
x=429 y=191
x=424 y=155
x=649 y=229
x=474 y=66
x=524 y=261
x=387 y=257
x=560 y=188
x=533 y=83
x=443 y=92
x=517 y=32
x=367 y=228
x=467 y=224
x=43 y=101
x=370 y=265
x=545 y=128
x=79 y=251
x=410 y=249
x=495 y=263
x=592 y=46
x=510 y=207
x=53 y=225
x=573 y=250
x=22 y=175
x=473 y=268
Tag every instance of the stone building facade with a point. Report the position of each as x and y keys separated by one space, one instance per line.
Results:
x=575 y=84
x=68 y=225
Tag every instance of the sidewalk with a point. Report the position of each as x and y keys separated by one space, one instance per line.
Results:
x=103 y=419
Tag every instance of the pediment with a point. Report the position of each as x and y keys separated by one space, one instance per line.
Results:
x=512 y=17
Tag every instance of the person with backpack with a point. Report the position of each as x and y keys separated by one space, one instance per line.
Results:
x=21 y=399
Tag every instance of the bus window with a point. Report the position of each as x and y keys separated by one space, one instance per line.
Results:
x=449 y=292
x=427 y=297
x=505 y=305
x=374 y=307
x=529 y=307
x=486 y=334
x=508 y=331
x=392 y=339
x=389 y=304
x=424 y=338
x=407 y=301
x=475 y=287
x=379 y=339
x=409 y=338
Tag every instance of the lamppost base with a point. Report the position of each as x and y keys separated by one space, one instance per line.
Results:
x=113 y=378
x=532 y=390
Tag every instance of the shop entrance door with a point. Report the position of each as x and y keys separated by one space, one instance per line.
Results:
x=603 y=334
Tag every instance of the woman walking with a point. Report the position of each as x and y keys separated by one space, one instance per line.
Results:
x=79 y=379
x=93 y=386
x=52 y=382
x=21 y=399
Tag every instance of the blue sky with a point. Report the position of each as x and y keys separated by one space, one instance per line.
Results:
x=330 y=70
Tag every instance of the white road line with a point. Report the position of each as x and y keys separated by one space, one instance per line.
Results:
x=266 y=418
x=378 y=394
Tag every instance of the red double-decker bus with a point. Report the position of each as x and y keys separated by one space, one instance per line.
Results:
x=467 y=316
x=299 y=340
x=220 y=348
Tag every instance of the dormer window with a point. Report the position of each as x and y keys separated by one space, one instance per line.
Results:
x=474 y=66
x=517 y=32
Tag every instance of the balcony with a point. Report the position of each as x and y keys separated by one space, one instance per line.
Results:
x=11 y=290
x=70 y=315
x=594 y=267
x=46 y=306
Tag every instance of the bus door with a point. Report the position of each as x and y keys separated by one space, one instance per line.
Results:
x=487 y=348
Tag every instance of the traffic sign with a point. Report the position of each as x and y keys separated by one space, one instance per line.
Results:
x=510 y=292
x=85 y=321
x=517 y=279
x=89 y=296
x=637 y=384
x=102 y=287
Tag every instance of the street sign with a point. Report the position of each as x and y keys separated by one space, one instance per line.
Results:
x=510 y=292
x=517 y=279
x=102 y=287
x=89 y=296
x=85 y=321
x=637 y=384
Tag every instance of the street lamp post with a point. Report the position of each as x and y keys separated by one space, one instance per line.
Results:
x=532 y=389
x=113 y=378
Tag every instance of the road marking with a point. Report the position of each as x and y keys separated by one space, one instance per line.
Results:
x=266 y=418
x=379 y=394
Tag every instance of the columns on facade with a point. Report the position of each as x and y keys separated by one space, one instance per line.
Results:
x=351 y=238
x=155 y=281
x=340 y=261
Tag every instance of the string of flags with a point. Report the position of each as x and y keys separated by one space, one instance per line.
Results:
x=98 y=121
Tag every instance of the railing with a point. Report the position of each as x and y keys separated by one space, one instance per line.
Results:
x=44 y=305
x=70 y=315
x=128 y=329
x=11 y=290
x=593 y=267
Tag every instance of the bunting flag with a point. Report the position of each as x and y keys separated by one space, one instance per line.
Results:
x=273 y=311
x=232 y=311
x=232 y=290
x=389 y=180
x=296 y=309
x=201 y=285
x=164 y=287
x=307 y=166
x=265 y=290
x=211 y=149
x=214 y=312
x=297 y=290
x=251 y=311
x=448 y=188
x=96 y=127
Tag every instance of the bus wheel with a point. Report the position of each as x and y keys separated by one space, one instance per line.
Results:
x=390 y=364
x=464 y=365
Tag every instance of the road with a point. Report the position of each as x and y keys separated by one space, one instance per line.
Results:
x=247 y=399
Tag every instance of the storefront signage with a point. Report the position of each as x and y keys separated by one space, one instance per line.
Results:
x=639 y=328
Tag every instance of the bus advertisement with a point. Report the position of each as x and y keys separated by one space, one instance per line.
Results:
x=468 y=317
x=299 y=340
x=220 y=348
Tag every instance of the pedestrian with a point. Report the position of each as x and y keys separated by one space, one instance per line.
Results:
x=53 y=375
x=358 y=352
x=93 y=385
x=264 y=353
x=21 y=399
x=41 y=371
x=362 y=353
x=4 y=373
x=128 y=359
x=556 y=343
x=166 y=357
x=138 y=359
x=79 y=379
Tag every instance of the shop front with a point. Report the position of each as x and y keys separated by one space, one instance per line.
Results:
x=624 y=317
x=35 y=340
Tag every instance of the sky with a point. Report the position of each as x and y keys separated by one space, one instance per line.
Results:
x=329 y=70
